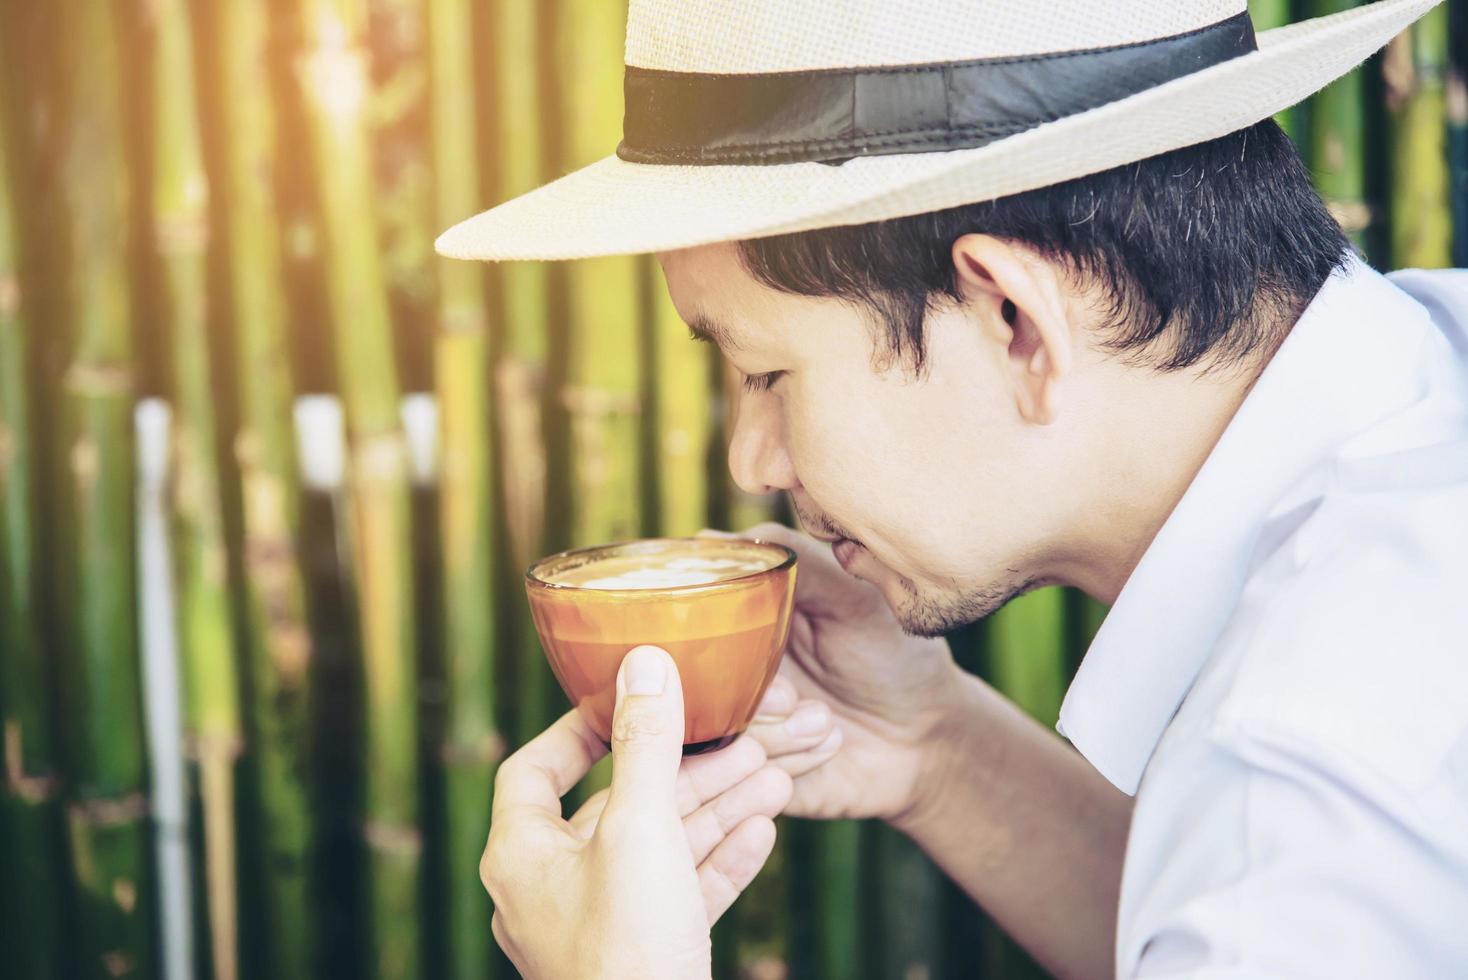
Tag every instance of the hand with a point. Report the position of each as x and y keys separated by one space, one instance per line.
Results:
x=630 y=885
x=855 y=713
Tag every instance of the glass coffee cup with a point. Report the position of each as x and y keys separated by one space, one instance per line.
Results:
x=720 y=606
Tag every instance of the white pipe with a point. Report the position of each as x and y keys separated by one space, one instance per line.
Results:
x=161 y=690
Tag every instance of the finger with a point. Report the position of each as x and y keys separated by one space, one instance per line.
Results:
x=799 y=763
x=647 y=734
x=765 y=794
x=539 y=774
x=810 y=724
x=734 y=863
x=583 y=823
x=701 y=779
x=779 y=701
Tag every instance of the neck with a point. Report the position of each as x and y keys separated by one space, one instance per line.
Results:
x=1153 y=433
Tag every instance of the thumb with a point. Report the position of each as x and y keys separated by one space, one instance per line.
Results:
x=647 y=731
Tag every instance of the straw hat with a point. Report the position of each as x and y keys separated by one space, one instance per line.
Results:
x=747 y=118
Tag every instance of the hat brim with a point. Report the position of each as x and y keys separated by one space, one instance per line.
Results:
x=618 y=208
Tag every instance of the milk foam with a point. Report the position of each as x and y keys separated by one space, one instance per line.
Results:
x=675 y=573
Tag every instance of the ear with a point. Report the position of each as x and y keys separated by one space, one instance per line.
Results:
x=1018 y=301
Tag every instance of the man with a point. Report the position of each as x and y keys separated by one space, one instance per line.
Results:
x=1145 y=363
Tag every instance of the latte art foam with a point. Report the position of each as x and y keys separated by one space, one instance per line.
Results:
x=661 y=571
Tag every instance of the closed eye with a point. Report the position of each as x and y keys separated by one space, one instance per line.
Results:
x=761 y=382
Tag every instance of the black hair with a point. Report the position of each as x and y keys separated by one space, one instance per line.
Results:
x=1211 y=251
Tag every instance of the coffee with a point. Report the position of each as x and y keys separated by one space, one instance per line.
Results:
x=720 y=607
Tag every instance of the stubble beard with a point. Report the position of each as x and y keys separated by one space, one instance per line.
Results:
x=932 y=616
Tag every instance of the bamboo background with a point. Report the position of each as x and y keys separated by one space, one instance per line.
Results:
x=269 y=471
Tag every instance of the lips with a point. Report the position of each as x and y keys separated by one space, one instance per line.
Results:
x=845 y=550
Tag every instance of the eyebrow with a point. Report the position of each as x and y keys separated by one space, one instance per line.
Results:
x=710 y=332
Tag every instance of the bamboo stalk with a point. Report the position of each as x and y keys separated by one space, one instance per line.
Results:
x=334 y=77
x=1457 y=110
x=233 y=36
x=105 y=751
x=605 y=305
x=531 y=434
x=1415 y=72
x=1027 y=653
x=1268 y=14
x=472 y=743
x=1337 y=141
x=214 y=737
x=826 y=938
x=31 y=814
x=678 y=407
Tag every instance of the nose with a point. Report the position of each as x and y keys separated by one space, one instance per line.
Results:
x=758 y=461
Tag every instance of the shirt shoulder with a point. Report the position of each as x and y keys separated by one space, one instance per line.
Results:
x=1352 y=633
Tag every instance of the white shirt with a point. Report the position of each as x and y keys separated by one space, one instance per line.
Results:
x=1283 y=682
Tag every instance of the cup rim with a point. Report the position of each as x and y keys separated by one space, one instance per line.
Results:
x=533 y=581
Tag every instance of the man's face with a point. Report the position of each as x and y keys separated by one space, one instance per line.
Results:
x=931 y=485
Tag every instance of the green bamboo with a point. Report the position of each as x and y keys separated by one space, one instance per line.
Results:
x=826 y=935
x=1457 y=112
x=1337 y=141
x=1416 y=75
x=602 y=396
x=472 y=743
x=906 y=891
x=404 y=179
x=334 y=76
x=1027 y=653
x=233 y=48
x=522 y=146
x=1268 y=14
x=212 y=714
x=30 y=811
x=1024 y=656
x=604 y=293
x=676 y=379
x=100 y=674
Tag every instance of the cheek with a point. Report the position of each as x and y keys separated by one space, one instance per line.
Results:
x=889 y=460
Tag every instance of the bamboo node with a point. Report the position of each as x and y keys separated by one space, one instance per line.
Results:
x=391 y=838
x=488 y=749
x=199 y=748
x=181 y=236
x=464 y=320
x=117 y=963
x=85 y=461
x=9 y=294
x=31 y=789
x=110 y=812
x=289 y=644
x=99 y=380
x=380 y=457
x=1399 y=71
x=587 y=401
x=1457 y=98
x=768 y=968
x=125 y=894
x=1352 y=216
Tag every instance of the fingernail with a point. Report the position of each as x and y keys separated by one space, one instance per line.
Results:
x=810 y=720
x=647 y=671
x=709 y=532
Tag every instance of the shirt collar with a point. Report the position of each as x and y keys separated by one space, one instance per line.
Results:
x=1350 y=360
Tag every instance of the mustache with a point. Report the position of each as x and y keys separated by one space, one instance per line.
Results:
x=819 y=523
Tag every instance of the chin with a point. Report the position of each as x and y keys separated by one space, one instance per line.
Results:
x=923 y=613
